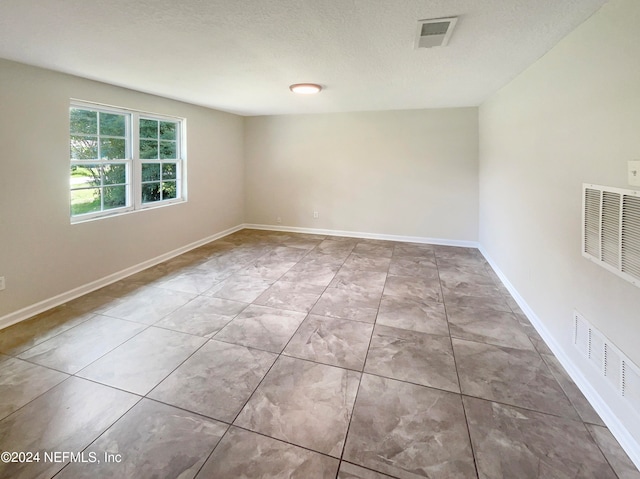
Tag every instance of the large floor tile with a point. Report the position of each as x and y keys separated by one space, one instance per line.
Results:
x=21 y=382
x=359 y=281
x=285 y=254
x=291 y=296
x=409 y=431
x=262 y=328
x=367 y=263
x=80 y=346
x=191 y=282
x=416 y=267
x=412 y=356
x=417 y=289
x=239 y=288
x=617 y=458
x=142 y=362
x=154 y=441
x=584 y=409
x=66 y=418
x=203 y=316
x=487 y=326
x=351 y=471
x=337 y=342
x=266 y=270
x=513 y=376
x=246 y=455
x=312 y=273
x=496 y=303
x=414 y=315
x=414 y=250
x=303 y=403
x=510 y=442
x=149 y=305
x=216 y=381
x=374 y=248
x=26 y=334
x=345 y=304
x=335 y=246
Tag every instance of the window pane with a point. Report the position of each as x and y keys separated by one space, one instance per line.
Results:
x=85 y=176
x=148 y=128
x=168 y=149
x=169 y=190
x=169 y=171
x=114 y=197
x=167 y=130
x=83 y=121
x=115 y=174
x=148 y=149
x=112 y=124
x=150 y=171
x=85 y=201
x=150 y=192
x=84 y=147
x=112 y=149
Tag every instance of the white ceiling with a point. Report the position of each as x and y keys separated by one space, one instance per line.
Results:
x=241 y=55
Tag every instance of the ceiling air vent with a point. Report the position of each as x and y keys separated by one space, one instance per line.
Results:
x=435 y=33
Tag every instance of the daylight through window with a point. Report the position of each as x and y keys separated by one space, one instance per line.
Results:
x=123 y=161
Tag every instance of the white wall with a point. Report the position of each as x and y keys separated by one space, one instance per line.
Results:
x=410 y=173
x=41 y=253
x=571 y=118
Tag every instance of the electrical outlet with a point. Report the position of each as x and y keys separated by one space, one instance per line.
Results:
x=278 y=220
x=2 y=283
x=634 y=173
x=316 y=215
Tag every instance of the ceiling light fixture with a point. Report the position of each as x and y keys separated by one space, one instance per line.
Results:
x=306 y=88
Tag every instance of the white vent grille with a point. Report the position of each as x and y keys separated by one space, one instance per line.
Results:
x=621 y=373
x=611 y=230
x=631 y=235
x=435 y=33
x=630 y=382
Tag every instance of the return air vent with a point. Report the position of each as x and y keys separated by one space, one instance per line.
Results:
x=435 y=33
x=613 y=364
x=611 y=230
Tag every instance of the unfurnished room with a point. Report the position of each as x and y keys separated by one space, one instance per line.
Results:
x=333 y=239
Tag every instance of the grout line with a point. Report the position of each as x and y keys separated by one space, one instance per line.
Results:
x=455 y=363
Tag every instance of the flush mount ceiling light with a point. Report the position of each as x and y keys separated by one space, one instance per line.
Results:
x=305 y=88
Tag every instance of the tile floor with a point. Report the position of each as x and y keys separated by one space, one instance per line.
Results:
x=278 y=355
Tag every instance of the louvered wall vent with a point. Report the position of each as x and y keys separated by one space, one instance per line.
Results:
x=611 y=230
x=612 y=363
x=435 y=33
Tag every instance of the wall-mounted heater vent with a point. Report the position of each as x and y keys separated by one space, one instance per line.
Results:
x=611 y=230
x=620 y=372
x=435 y=33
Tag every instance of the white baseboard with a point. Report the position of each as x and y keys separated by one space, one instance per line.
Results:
x=356 y=234
x=29 y=311
x=613 y=415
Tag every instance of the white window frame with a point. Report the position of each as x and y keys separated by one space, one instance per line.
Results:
x=134 y=163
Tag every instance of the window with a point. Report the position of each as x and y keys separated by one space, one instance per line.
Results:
x=123 y=161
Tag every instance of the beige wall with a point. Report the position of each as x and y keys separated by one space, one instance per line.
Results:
x=41 y=253
x=571 y=118
x=410 y=173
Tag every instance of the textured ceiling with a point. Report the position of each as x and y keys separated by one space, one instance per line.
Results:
x=241 y=55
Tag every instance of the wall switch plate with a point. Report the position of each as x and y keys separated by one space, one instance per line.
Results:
x=634 y=173
x=278 y=220
x=2 y=283
x=316 y=215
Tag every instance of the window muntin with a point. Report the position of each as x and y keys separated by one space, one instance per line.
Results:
x=122 y=160
x=99 y=161
x=160 y=163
